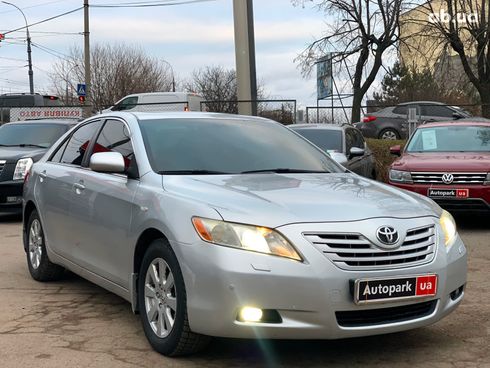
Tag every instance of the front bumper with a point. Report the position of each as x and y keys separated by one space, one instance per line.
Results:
x=11 y=195
x=309 y=296
x=478 y=199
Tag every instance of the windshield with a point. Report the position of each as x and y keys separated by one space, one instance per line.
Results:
x=31 y=134
x=326 y=139
x=219 y=146
x=456 y=138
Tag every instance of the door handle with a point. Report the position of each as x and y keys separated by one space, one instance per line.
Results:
x=42 y=175
x=79 y=187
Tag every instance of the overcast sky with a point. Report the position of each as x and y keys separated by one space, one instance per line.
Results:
x=188 y=36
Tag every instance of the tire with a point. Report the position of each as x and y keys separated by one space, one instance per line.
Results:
x=389 y=134
x=156 y=300
x=40 y=267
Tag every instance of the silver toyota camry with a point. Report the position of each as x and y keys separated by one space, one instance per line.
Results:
x=232 y=226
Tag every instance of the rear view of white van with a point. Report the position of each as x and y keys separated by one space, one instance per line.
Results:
x=159 y=101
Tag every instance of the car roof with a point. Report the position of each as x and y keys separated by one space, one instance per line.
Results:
x=165 y=115
x=44 y=121
x=317 y=126
x=462 y=122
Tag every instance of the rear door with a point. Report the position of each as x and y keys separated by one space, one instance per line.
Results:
x=103 y=208
x=56 y=187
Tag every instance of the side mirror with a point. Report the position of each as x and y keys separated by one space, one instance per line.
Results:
x=356 y=152
x=396 y=150
x=107 y=162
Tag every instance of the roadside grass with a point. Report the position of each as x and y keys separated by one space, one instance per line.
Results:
x=382 y=156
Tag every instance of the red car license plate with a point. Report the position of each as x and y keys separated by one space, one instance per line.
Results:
x=392 y=289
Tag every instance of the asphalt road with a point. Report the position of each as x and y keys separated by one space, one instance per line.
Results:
x=76 y=324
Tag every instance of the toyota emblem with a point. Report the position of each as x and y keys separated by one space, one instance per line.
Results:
x=387 y=235
x=448 y=179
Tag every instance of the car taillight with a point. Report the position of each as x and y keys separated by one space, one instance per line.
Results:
x=368 y=119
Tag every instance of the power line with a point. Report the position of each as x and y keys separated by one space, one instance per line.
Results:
x=45 y=20
x=148 y=5
x=34 y=6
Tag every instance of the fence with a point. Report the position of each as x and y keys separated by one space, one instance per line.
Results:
x=283 y=111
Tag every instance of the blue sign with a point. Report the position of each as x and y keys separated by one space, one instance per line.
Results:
x=81 y=89
x=324 y=77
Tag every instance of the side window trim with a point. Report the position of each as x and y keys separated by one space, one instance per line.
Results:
x=68 y=138
x=89 y=151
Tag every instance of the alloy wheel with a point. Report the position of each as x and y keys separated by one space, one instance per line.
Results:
x=389 y=135
x=160 y=297
x=35 y=244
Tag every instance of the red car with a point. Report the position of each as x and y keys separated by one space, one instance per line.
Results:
x=448 y=162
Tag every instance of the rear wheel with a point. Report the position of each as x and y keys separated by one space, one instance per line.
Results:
x=40 y=267
x=389 y=134
x=162 y=303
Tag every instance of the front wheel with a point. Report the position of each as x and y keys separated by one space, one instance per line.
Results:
x=40 y=267
x=162 y=302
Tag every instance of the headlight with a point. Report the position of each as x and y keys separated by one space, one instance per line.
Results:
x=22 y=168
x=448 y=227
x=400 y=176
x=487 y=180
x=247 y=237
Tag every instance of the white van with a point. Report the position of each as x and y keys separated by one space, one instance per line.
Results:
x=159 y=101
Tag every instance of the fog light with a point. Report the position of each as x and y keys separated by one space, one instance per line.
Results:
x=250 y=314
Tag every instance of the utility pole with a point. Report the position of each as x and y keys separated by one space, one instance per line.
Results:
x=29 y=51
x=245 y=56
x=86 y=50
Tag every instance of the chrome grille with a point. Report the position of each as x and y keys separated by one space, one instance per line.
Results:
x=2 y=165
x=459 y=178
x=351 y=251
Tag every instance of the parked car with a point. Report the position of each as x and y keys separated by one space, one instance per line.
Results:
x=344 y=143
x=159 y=101
x=391 y=122
x=9 y=100
x=231 y=226
x=448 y=162
x=21 y=144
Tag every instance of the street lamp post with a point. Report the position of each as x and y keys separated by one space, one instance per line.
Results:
x=173 y=75
x=29 y=59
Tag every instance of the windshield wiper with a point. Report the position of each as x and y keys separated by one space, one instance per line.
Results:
x=23 y=145
x=285 y=171
x=192 y=172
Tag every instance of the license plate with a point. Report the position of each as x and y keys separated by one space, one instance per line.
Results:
x=392 y=289
x=13 y=199
x=448 y=193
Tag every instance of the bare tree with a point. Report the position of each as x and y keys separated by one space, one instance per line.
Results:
x=361 y=35
x=116 y=71
x=216 y=84
x=464 y=27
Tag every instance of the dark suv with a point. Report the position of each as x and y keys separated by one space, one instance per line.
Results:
x=9 y=100
x=391 y=122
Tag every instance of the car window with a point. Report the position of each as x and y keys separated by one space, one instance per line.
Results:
x=228 y=146
x=38 y=134
x=358 y=139
x=79 y=142
x=350 y=140
x=456 y=138
x=114 y=137
x=59 y=152
x=127 y=103
x=327 y=139
x=437 y=110
x=401 y=110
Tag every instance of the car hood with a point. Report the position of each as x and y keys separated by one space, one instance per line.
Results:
x=442 y=162
x=13 y=154
x=273 y=200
